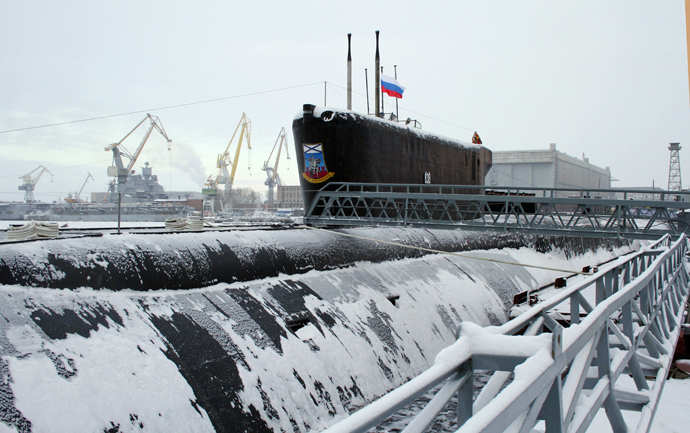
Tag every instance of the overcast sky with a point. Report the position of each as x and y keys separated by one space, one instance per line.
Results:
x=607 y=79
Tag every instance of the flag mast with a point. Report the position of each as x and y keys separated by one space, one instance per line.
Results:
x=395 y=70
x=377 y=78
x=383 y=101
x=366 y=85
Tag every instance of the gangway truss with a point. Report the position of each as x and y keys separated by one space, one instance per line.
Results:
x=614 y=353
x=639 y=214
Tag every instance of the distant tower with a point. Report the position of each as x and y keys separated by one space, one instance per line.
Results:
x=674 y=182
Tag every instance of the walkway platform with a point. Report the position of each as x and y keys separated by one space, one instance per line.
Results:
x=639 y=214
x=614 y=353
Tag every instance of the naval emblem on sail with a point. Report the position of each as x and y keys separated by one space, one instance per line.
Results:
x=315 y=170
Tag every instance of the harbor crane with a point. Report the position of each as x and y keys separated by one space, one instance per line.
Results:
x=272 y=177
x=118 y=168
x=223 y=177
x=75 y=199
x=30 y=180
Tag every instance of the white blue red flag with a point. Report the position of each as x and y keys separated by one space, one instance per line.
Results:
x=391 y=87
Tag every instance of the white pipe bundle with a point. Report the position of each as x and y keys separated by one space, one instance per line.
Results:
x=177 y=224
x=33 y=230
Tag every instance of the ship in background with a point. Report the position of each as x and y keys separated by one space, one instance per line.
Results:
x=335 y=145
x=144 y=200
x=16 y=211
x=131 y=197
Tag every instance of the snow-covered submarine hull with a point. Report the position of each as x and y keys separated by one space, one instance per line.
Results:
x=193 y=260
x=239 y=350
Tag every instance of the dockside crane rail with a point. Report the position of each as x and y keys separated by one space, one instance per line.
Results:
x=273 y=179
x=223 y=177
x=30 y=180
x=70 y=199
x=118 y=168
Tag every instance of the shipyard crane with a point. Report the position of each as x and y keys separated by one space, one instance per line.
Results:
x=118 y=168
x=30 y=180
x=223 y=177
x=272 y=176
x=70 y=199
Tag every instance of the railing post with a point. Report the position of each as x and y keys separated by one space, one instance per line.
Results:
x=407 y=200
x=603 y=361
x=574 y=308
x=552 y=411
x=465 y=394
x=644 y=300
x=615 y=280
x=601 y=289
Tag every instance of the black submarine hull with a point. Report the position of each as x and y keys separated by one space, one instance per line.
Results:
x=344 y=146
x=256 y=331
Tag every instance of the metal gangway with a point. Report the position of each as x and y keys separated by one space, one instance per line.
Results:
x=639 y=214
x=614 y=353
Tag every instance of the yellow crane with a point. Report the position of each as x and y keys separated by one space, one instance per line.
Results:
x=223 y=177
x=75 y=199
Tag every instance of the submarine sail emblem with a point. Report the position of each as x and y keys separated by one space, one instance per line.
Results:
x=315 y=170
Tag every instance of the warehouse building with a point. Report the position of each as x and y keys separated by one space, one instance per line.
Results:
x=289 y=196
x=546 y=169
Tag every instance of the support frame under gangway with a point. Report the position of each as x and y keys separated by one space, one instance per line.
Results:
x=639 y=214
x=625 y=321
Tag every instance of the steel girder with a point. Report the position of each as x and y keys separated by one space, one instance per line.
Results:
x=470 y=208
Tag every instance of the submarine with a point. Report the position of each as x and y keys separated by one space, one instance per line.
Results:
x=343 y=146
x=261 y=330
x=250 y=330
x=340 y=145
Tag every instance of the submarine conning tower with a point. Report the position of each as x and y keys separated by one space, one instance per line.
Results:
x=335 y=145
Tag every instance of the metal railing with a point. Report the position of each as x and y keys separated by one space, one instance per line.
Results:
x=624 y=320
x=645 y=214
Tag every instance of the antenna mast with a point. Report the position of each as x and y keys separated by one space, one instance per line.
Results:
x=377 y=79
x=349 y=73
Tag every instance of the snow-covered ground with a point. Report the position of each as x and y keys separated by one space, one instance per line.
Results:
x=670 y=415
x=672 y=411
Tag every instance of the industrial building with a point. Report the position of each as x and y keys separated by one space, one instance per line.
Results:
x=546 y=169
x=289 y=196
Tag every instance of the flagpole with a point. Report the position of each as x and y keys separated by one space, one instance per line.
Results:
x=397 y=115
x=377 y=77
x=383 y=111
x=366 y=84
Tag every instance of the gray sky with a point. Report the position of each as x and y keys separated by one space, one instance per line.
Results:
x=605 y=78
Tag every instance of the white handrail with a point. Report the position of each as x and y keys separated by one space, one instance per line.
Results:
x=638 y=312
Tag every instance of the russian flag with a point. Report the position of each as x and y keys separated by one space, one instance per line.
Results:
x=391 y=87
